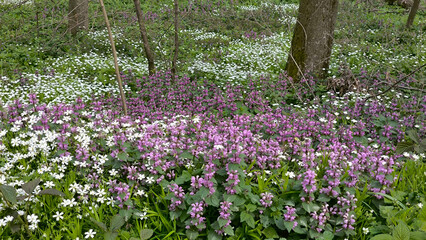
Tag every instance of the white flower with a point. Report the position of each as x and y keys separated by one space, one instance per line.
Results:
x=141 y=176
x=141 y=193
x=365 y=230
x=33 y=227
x=8 y=218
x=113 y=172
x=49 y=184
x=290 y=174
x=59 y=216
x=406 y=154
x=150 y=180
x=3 y=223
x=196 y=119
x=89 y=234
x=420 y=205
x=32 y=218
x=218 y=147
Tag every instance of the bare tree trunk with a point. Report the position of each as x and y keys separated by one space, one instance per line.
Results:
x=114 y=53
x=148 y=52
x=175 y=56
x=78 y=15
x=412 y=14
x=312 y=38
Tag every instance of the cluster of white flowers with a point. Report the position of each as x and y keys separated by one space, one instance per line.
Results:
x=242 y=59
x=33 y=220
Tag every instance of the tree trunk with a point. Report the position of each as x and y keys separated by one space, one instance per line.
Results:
x=412 y=14
x=148 y=52
x=312 y=38
x=114 y=54
x=78 y=15
x=176 y=13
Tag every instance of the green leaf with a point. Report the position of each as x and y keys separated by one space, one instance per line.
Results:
x=310 y=207
x=213 y=200
x=51 y=191
x=248 y=218
x=30 y=186
x=280 y=223
x=404 y=147
x=228 y=230
x=185 y=177
x=110 y=235
x=101 y=225
x=417 y=235
x=123 y=156
x=9 y=193
x=186 y=154
x=192 y=235
x=288 y=225
x=270 y=232
x=14 y=227
x=382 y=237
x=251 y=207
x=401 y=232
x=327 y=235
x=413 y=135
x=222 y=222
x=146 y=234
x=213 y=236
x=116 y=222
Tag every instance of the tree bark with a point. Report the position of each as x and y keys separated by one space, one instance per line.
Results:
x=114 y=53
x=412 y=14
x=146 y=47
x=78 y=15
x=312 y=38
x=175 y=56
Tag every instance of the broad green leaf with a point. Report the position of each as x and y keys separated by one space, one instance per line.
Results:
x=310 y=207
x=228 y=230
x=251 y=207
x=222 y=222
x=382 y=237
x=101 y=225
x=270 y=232
x=146 y=234
x=413 y=135
x=288 y=225
x=123 y=156
x=185 y=177
x=186 y=155
x=15 y=227
x=418 y=235
x=116 y=222
x=192 y=235
x=404 y=147
x=110 y=235
x=401 y=232
x=9 y=193
x=51 y=191
x=248 y=218
x=214 y=236
x=30 y=186
x=327 y=235
x=280 y=223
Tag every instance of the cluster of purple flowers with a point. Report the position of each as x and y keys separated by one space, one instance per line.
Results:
x=168 y=118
